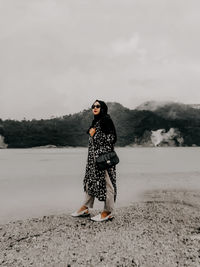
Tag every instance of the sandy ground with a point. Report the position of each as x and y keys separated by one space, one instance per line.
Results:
x=162 y=230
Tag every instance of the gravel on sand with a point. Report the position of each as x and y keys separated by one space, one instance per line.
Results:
x=162 y=230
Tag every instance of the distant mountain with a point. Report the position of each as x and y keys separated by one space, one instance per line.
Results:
x=172 y=110
x=152 y=105
x=150 y=124
x=197 y=106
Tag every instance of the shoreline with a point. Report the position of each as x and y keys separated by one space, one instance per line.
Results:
x=126 y=146
x=162 y=230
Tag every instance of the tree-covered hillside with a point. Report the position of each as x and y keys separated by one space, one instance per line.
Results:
x=132 y=126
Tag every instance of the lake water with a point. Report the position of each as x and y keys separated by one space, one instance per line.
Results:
x=36 y=182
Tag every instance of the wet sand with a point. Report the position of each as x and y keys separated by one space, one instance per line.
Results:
x=162 y=230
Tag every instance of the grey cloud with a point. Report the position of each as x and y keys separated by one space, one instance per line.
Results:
x=61 y=55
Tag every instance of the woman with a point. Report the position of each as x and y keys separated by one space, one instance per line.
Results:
x=99 y=183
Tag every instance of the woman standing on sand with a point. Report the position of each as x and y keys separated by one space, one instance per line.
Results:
x=99 y=183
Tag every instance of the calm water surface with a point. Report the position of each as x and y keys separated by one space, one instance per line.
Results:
x=36 y=182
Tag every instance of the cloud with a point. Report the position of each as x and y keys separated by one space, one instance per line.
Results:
x=130 y=46
x=126 y=46
x=59 y=56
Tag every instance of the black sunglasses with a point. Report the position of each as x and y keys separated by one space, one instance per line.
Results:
x=97 y=106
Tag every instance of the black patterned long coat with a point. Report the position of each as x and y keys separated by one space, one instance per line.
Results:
x=94 y=181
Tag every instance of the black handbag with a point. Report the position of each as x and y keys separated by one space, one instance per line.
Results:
x=106 y=160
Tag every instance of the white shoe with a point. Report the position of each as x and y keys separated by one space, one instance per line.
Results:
x=98 y=218
x=83 y=213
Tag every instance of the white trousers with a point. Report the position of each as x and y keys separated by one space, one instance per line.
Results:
x=109 y=203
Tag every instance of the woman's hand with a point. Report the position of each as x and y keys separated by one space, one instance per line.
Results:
x=92 y=131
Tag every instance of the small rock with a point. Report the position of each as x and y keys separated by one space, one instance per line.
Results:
x=101 y=258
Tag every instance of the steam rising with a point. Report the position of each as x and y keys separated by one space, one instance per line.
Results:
x=2 y=143
x=171 y=137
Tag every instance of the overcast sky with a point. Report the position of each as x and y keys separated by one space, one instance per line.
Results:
x=58 y=56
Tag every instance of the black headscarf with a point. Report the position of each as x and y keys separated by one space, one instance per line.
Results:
x=106 y=123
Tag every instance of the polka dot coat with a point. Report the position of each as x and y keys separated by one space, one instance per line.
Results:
x=94 y=181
